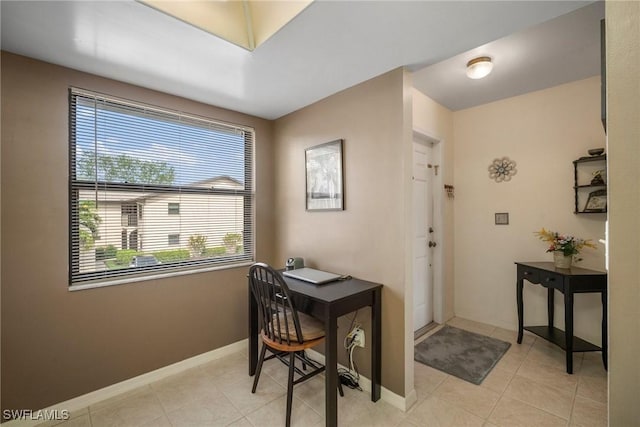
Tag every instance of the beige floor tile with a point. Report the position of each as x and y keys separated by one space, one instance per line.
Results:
x=131 y=411
x=277 y=370
x=513 y=413
x=357 y=410
x=312 y=393
x=544 y=352
x=227 y=370
x=435 y=412
x=162 y=421
x=511 y=360
x=242 y=422
x=592 y=365
x=497 y=380
x=218 y=411
x=550 y=399
x=475 y=399
x=239 y=393
x=120 y=397
x=528 y=386
x=426 y=379
x=593 y=388
x=470 y=325
x=71 y=416
x=176 y=391
x=587 y=413
x=274 y=414
x=408 y=423
x=551 y=375
x=512 y=337
x=78 y=421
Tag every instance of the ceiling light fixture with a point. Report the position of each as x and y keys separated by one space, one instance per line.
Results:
x=480 y=67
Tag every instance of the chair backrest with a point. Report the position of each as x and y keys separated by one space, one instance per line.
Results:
x=279 y=319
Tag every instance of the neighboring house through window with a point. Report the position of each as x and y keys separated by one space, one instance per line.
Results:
x=183 y=182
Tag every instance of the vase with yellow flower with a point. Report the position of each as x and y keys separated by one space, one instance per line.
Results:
x=563 y=246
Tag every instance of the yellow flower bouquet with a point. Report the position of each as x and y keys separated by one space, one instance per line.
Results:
x=568 y=245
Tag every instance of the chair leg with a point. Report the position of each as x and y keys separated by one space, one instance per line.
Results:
x=292 y=360
x=304 y=357
x=259 y=367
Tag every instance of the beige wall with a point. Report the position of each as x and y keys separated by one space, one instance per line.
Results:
x=543 y=132
x=365 y=240
x=58 y=344
x=434 y=120
x=623 y=117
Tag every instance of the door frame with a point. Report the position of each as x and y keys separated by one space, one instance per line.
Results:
x=438 y=204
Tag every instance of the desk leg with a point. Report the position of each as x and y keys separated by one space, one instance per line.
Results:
x=550 y=310
x=568 y=322
x=376 y=345
x=331 y=370
x=253 y=334
x=519 y=285
x=605 y=336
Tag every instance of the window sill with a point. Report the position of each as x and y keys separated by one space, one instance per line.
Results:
x=145 y=278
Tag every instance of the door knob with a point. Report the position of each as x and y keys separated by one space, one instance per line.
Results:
x=432 y=244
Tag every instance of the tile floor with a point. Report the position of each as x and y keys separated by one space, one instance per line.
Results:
x=528 y=387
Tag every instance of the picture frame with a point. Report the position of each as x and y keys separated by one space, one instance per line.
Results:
x=597 y=201
x=324 y=177
x=502 y=218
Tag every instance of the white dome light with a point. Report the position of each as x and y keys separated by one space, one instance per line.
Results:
x=480 y=67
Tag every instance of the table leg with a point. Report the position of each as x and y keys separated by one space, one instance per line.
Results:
x=568 y=322
x=331 y=370
x=519 y=285
x=550 y=295
x=605 y=335
x=253 y=334
x=376 y=345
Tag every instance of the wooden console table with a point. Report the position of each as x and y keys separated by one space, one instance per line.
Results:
x=568 y=281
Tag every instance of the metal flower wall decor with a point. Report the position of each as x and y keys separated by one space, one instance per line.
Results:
x=502 y=169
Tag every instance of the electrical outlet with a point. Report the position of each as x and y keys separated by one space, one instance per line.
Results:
x=358 y=337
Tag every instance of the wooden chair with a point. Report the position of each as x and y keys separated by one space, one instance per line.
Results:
x=285 y=332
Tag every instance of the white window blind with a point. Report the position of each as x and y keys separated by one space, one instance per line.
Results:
x=155 y=190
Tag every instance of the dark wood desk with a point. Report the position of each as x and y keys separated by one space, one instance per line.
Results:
x=569 y=281
x=328 y=302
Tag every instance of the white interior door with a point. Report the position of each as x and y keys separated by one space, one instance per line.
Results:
x=422 y=224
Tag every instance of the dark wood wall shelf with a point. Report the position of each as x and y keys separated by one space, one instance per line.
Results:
x=582 y=188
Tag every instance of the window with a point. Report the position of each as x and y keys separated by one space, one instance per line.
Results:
x=182 y=181
x=173 y=208
x=129 y=214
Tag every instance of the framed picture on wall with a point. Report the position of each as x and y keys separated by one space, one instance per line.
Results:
x=324 y=177
x=597 y=201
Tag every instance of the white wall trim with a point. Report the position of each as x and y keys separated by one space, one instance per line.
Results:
x=80 y=403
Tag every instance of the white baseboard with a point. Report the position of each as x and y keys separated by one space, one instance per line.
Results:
x=387 y=395
x=80 y=403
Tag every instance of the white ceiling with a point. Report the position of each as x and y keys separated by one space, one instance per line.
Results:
x=558 y=51
x=330 y=46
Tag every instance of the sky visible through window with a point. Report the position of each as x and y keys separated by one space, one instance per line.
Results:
x=190 y=151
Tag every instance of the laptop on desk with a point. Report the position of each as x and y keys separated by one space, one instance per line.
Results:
x=312 y=275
